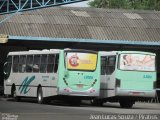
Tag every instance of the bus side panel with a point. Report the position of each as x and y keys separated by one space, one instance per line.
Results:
x=103 y=88
x=51 y=90
x=32 y=91
x=61 y=71
x=107 y=88
x=26 y=84
x=7 y=88
x=8 y=85
x=29 y=83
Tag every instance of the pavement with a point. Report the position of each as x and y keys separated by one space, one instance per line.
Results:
x=28 y=109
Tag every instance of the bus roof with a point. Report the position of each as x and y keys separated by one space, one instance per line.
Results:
x=80 y=50
x=109 y=53
x=32 y=52
x=104 y=53
x=46 y=51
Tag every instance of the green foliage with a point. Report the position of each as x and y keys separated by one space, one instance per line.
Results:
x=99 y=3
x=127 y=4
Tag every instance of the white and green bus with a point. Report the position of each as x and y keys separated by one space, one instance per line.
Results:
x=70 y=75
x=126 y=77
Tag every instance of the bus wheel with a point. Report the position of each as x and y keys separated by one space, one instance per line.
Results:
x=126 y=104
x=40 y=96
x=96 y=102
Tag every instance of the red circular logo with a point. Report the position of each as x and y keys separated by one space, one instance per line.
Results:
x=73 y=60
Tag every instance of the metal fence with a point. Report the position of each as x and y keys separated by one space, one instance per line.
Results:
x=9 y=6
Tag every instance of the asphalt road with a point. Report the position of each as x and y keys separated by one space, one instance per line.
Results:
x=30 y=110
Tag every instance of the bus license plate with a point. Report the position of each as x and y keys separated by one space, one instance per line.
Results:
x=135 y=93
x=79 y=85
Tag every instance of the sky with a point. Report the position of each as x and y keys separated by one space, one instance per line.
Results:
x=79 y=4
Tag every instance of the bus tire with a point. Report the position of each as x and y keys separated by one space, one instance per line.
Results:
x=126 y=104
x=40 y=98
x=96 y=102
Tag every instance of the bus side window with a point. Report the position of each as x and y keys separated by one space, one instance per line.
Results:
x=110 y=65
x=43 y=65
x=36 y=63
x=15 y=63
x=56 y=63
x=51 y=61
x=103 y=65
x=29 y=65
x=22 y=63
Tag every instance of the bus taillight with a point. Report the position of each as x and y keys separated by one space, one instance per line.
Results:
x=118 y=83
x=66 y=90
x=92 y=91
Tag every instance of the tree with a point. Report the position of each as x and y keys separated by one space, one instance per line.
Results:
x=99 y=3
x=157 y=6
x=127 y=4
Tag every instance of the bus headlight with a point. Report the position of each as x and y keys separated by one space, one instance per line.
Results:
x=92 y=91
x=66 y=90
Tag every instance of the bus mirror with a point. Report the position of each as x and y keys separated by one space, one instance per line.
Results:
x=66 y=73
x=5 y=70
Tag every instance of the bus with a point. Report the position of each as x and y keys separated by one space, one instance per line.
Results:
x=70 y=75
x=126 y=77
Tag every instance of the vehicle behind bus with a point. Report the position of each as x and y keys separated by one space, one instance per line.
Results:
x=69 y=75
x=126 y=77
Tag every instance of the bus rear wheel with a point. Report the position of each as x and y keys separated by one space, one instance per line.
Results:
x=126 y=104
x=96 y=102
x=40 y=98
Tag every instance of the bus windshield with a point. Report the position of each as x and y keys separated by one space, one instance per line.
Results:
x=81 y=61
x=137 y=62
